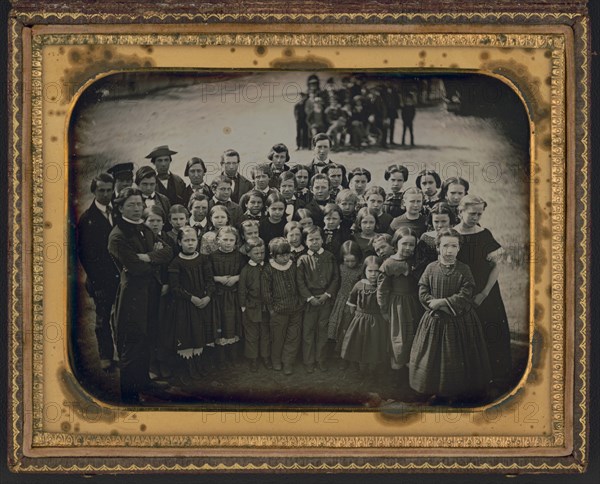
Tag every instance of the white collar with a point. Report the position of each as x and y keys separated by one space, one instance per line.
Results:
x=319 y=252
x=280 y=267
x=300 y=248
x=254 y=264
x=444 y=264
x=139 y=222
x=216 y=200
x=202 y=223
x=265 y=191
x=101 y=207
x=188 y=256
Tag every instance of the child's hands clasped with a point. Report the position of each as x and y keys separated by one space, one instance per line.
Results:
x=436 y=304
x=200 y=302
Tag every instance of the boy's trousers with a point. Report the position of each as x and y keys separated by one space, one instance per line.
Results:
x=285 y=337
x=314 y=332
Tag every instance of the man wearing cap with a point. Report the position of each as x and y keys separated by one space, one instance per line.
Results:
x=102 y=281
x=167 y=183
x=122 y=174
x=230 y=164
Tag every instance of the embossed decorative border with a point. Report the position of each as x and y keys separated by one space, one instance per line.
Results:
x=554 y=42
x=558 y=139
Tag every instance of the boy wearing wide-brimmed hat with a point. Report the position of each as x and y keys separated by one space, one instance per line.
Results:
x=167 y=183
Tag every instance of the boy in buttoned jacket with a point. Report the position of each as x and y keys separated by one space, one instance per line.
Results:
x=255 y=315
x=318 y=283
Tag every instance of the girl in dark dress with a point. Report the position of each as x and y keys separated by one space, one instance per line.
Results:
x=452 y=192
x=448 y=360
x=480 y=251
x=364 y=230
x=226 y=264
x=398 y=298
x=191 y=285
x=440 y=217
x=429 y=182
x=366 y=340
x=351 y=271
x=272 y=225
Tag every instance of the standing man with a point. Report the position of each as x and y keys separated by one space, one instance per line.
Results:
x=167 y=183
x=408 y=112
x=301 y=124
x=140 y=255
x=102 y=281
x=321 y=147
x=230 y=164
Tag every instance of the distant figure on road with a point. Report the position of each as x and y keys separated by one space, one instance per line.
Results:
x=408 y=111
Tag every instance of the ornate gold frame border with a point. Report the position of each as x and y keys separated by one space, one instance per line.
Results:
x=20 y=207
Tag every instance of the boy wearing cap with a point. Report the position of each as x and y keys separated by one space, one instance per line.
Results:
x=167 y=183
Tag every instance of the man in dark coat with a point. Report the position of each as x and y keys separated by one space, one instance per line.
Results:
x=378 y=113
x=391 y=99
x=123 y=177
x=301 y=125
x=145 y=180
x=102 y=281
x=167 y=183
x=321 y=144
x=230 y=165
x=139 y=254
x=408 y=112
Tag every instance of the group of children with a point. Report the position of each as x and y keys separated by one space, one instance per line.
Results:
x=404 y=279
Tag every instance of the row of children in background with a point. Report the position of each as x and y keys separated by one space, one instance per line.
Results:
x=402 y=299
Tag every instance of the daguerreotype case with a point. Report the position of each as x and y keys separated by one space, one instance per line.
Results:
x=175 y=171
